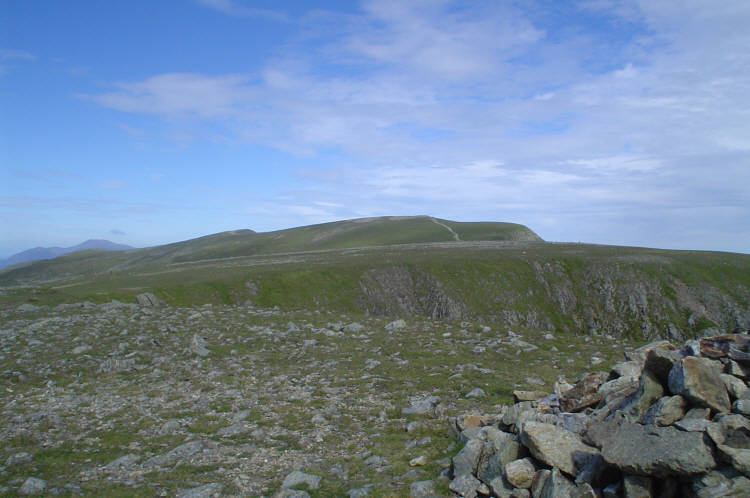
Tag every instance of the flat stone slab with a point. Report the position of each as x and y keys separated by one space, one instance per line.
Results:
x=556 y=447
x=657 y=451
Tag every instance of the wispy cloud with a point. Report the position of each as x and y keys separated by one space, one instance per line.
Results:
x=236 y=8
x=10 y=54
x=493 y=109
x=179 y=95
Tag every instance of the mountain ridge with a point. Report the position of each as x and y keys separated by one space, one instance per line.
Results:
x=400 y=266
x=40 y=253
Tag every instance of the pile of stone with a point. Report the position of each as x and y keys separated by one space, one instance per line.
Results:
x=668 y=422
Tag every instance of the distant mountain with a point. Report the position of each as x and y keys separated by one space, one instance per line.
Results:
x=38 y=253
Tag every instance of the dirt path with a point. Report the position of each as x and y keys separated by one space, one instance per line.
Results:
x=455 y=235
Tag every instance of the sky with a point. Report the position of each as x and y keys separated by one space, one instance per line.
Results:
x=151 y=121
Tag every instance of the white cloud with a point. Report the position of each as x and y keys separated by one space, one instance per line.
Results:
x=238 y=9
x=180 y=95
x=487 y=112
x=10 y=54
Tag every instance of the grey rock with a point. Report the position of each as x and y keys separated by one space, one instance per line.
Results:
x=477 y=392
x=179 y=453
x=516 y=412
x=638 y=486
x=584 y=393
x=734 y=430
x=501 y=487
x=232 y=430
x=703 y=413
x=649 y=391
x=354 y=327
x=573 y=422
x=292 y=493
x=556 y=447
x=619 y=388
x=737 y=369
x=585 y=491
x=557 y=486
x=720 y=483
x=396 y=325
x=147 y=299
x=465 y=485
x=467 y=460
x=198 y=346
x=422 y=489
x=693 y=424
x=520 y=473
x=500 y=448
x=376 y=461
x=33 y=486
x=537 y=484
x=21 y=458
x=124 y=462
x=739 y=457
x=626 y=369
x=639 y=355
x=520 y=493
x=697 y=380
x=735 y=387
x=666 y=411
x=592 y=472
x=297 y=477
x=169 y=427
x=358 y=492
x=660 y=361
x=210 y=490
x=742 y=406
x=519 y=396
x=657 y=451
x=422 y=406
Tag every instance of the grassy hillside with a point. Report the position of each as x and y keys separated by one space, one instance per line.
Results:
x=242 y=243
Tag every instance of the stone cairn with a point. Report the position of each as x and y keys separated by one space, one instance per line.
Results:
x=667 y=422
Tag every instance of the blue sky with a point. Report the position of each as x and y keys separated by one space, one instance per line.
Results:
x=147 y=122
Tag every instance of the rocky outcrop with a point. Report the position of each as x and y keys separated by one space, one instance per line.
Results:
x=400 y=289
x=682 y=431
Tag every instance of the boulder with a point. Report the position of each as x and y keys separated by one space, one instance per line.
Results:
x=209 y=490
x=422 y=406
x=519 y=396
x=639 y=355
x=422 y=489
x=584 y=393
x=465 y=485
x=298 y=477
x=735 y=387
x=738 y=457
x=467 y=460
x=649 y=391
x=657 y=451
x=625 y=369
x=660 y=361
x=33 y=486
x=520 y=473
x=666 y=411
x=147 y=299
x=557 y=486
x=500 y=449
x=556 y=447
x=697 y=380
x=619 y=388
